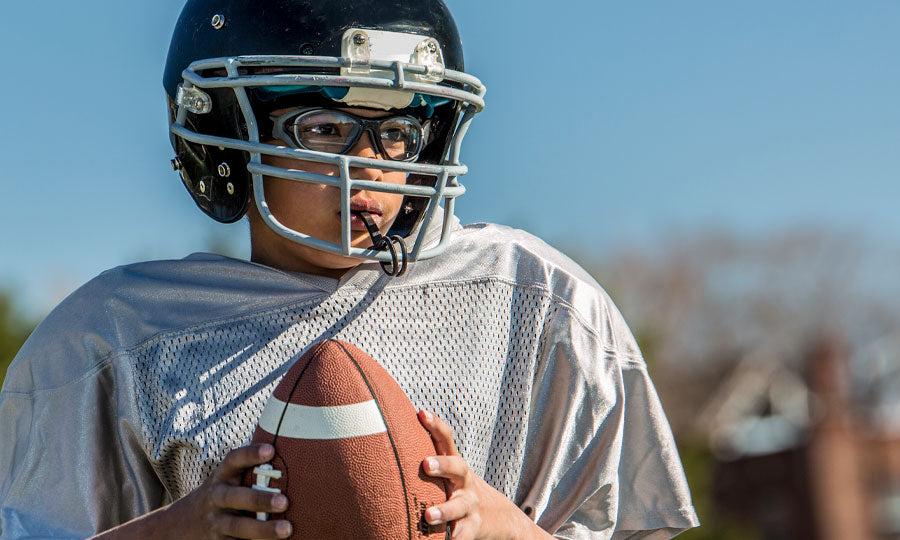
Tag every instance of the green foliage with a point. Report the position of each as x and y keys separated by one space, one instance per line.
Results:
x=698 y=466
x=13 y=332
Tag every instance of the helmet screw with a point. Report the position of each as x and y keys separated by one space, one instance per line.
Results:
x=202 y=186
x=224 y=170
x=306 y=50
x=359 y=38
x=218 y=21
x=230 y=188
x=432 y=47
x=176 y=164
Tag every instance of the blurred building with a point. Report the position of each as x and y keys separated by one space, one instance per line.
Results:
x=807 y=445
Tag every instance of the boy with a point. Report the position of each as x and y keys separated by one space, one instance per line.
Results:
x=336 y=127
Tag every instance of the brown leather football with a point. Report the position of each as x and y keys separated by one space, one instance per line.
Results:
x=348 y=451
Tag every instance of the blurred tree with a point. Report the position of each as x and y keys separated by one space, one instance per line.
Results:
x=697 y=303
x=14 y=330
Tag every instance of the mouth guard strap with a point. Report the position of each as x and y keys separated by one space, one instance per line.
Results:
x=397 y=267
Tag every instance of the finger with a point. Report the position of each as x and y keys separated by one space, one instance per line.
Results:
x=460 y=505
x=441 y=433
x=245 y=527
x=241 y=498
x=243 y=458
x=453 y=468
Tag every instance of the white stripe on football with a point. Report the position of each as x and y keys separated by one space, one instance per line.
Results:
x=337 y=422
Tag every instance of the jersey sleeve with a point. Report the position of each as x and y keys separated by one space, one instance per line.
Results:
x=601 y=461
x=71 y=459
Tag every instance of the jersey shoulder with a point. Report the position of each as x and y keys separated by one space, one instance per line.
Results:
x=492 y=251
x=514 y=253
x=524 y=260
x=125 y=306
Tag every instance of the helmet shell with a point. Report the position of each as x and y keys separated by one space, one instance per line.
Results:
x=299 y=27
x=228 y=28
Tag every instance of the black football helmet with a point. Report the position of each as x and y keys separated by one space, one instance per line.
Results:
x=232 y=62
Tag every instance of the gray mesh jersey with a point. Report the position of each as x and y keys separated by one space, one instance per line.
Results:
x=137 y=385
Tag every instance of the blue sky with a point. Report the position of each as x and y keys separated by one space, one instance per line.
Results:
x=608 y=124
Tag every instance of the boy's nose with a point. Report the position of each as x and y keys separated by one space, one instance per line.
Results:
x=365 y=147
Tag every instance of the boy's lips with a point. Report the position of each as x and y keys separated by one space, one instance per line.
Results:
x=371 y=207
x=359 y=204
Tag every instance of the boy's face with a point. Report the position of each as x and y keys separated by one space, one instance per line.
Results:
x=315 y=209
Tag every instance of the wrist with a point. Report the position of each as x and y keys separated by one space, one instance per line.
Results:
x=525 y=528
x=150 y=526
x=537 y=533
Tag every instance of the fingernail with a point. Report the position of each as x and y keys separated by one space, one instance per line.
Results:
x=266 y=451
x=433 y=515
x=428 y=417
x=279 y=502
x=283 y=529
x=432 y=464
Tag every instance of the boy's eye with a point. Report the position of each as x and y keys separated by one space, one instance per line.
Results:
x=323 y=130
x=393 y=135
x=322 y=133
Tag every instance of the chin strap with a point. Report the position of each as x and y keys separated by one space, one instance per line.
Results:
x=397 y=266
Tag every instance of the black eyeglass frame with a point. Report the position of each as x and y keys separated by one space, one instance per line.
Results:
x=372 y=126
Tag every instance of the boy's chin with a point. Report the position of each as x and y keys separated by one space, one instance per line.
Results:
x=336 y=261
x=359 y=237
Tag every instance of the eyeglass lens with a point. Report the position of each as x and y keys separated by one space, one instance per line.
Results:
x=399 y=138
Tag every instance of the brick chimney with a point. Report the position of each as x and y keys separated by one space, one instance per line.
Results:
x=835 y=470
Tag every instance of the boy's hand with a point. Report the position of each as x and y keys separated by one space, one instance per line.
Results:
x=476 y=510
x=212 y=510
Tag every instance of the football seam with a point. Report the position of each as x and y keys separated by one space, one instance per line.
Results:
x=388 y=431
x=281 y=418
x=293 y=389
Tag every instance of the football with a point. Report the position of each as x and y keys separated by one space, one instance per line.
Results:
x=348 y=451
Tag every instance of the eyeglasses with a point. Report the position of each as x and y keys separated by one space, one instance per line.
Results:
x=398 y=138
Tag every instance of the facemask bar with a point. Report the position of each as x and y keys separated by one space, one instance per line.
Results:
x=447 y=188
